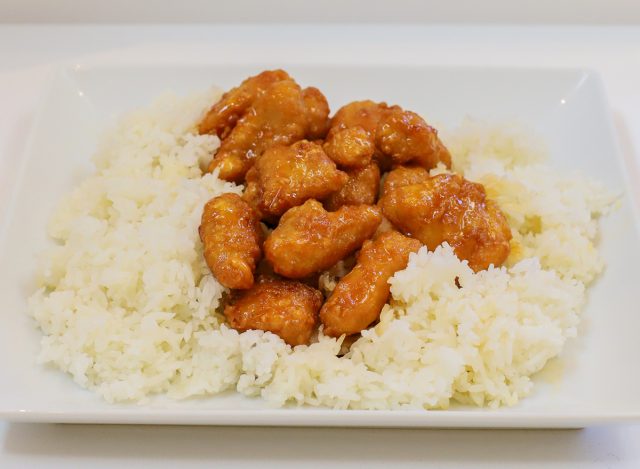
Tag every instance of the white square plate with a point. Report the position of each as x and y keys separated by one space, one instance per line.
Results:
x=599 y=381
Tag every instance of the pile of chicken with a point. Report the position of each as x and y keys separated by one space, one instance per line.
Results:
x=312 y=198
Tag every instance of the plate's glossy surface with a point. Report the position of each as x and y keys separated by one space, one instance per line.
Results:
x=595 y=381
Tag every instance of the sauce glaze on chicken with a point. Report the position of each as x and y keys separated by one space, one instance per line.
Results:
x=315 y=181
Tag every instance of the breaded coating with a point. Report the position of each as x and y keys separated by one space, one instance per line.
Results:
x=224 y=114
x=359 y=296
x=365 y=114
x=404 y=176
x=449 y=208
x=317 y=113
x=252 y=195
x=398 y=136
x=231 y=236
x=266 y=110
x=284 y=177
x=406 y=137
x=352 y=147
x=361 y=188
x=277 y=117
x=283 y=307
x=309 y=239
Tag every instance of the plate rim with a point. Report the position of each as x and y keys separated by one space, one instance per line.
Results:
x=325 y=417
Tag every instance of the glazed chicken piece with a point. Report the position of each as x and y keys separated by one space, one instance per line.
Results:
x=283 y=307
x=404 y=176
x=309 y=239
x=397 y=136
x=277 y=117
x=231 y=236
x=406 y=137
x=365 y=114
x=284 y=177
x=352 y=147
x=271 y=110
x=317 y=113
x=449 y=208
x=224 y=114
x=359 y=296
x=361 y=188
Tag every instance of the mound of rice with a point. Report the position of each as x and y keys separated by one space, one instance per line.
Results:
x=127 y=305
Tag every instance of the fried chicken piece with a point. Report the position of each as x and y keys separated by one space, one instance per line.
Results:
x=309 y=239
x=283 y=307
x=252 y=195
x=359 y=296
x=231 y=236
x=404 y=176
x=284 y=177
x=449 y=208
x=361 y=188
x=365 y=114
x=224 y=114
x=277 y=117
x=406 y=137
x=398 y=136
x=352 y=147
x=317 y=113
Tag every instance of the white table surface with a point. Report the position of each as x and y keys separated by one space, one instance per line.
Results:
x=27 y=54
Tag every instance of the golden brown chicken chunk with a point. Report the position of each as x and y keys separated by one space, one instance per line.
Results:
x=352 y=147
x=283 y=307
x=231 y=236
x=406 y=137
x=267 y=110
x=277 y=117
x=449 y=208
x=365 y=114
x=359 y=296
x=309 y=239
x=398 y=136
x=284 y=177
x=361 y=188
x=404 y=176
x=317 y=113
x=224 y=114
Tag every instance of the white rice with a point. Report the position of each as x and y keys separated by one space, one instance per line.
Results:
x=127 y=304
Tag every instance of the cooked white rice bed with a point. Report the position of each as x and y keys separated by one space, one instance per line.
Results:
x=127 y=304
